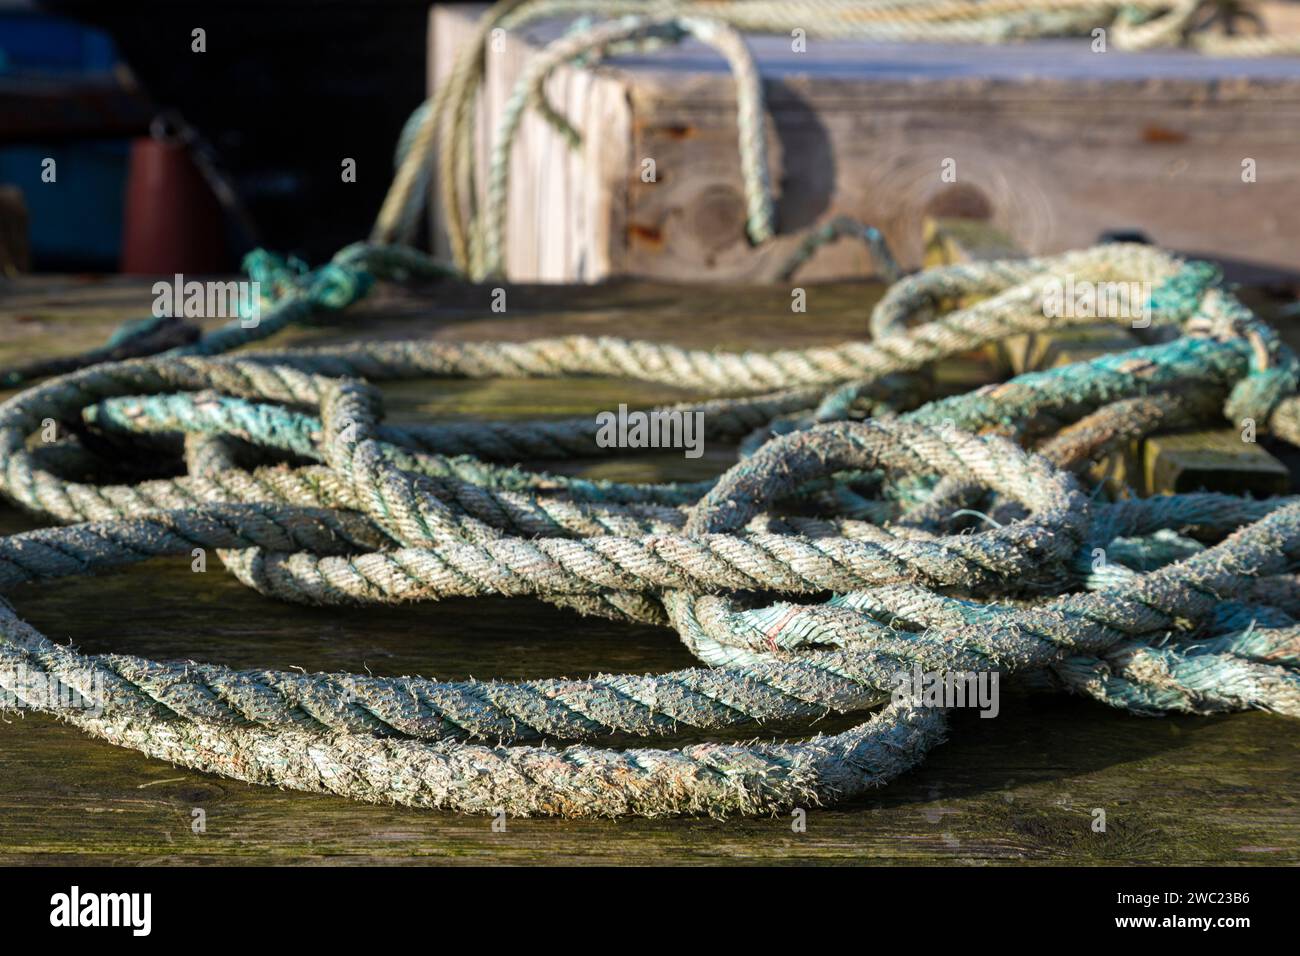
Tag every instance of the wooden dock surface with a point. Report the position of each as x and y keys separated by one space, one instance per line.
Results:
x=1018 y=788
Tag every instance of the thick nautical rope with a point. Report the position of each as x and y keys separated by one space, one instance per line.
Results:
x=291 y=474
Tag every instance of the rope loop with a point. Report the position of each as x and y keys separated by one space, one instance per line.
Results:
x=866 y=532
x=832 y=558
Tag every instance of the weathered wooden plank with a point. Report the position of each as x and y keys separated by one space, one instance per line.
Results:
x=1213 y=460
x=1044 y=350
x=954 y=239
x=1019 y=788
x=550 y=182
x=1057 y=143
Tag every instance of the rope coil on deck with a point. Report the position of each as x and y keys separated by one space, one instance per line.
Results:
x=1194 y=609
x=837 y=554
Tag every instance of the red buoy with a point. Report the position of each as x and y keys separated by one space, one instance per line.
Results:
x=172 y=220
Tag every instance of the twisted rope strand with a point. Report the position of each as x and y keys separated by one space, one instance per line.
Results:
x=1193 y=611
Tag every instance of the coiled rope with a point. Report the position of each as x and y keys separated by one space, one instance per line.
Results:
x=844 y=488
x=1193 y=610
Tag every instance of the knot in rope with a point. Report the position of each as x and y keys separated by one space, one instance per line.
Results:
x=334 y=285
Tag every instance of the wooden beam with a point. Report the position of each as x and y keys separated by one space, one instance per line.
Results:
x=1080 y=343
x=1036 y=134
x=951 y=239
x=1215 y=460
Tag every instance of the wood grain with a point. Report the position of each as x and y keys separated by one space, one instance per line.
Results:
x=1056 y=142
x=1018 y=788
